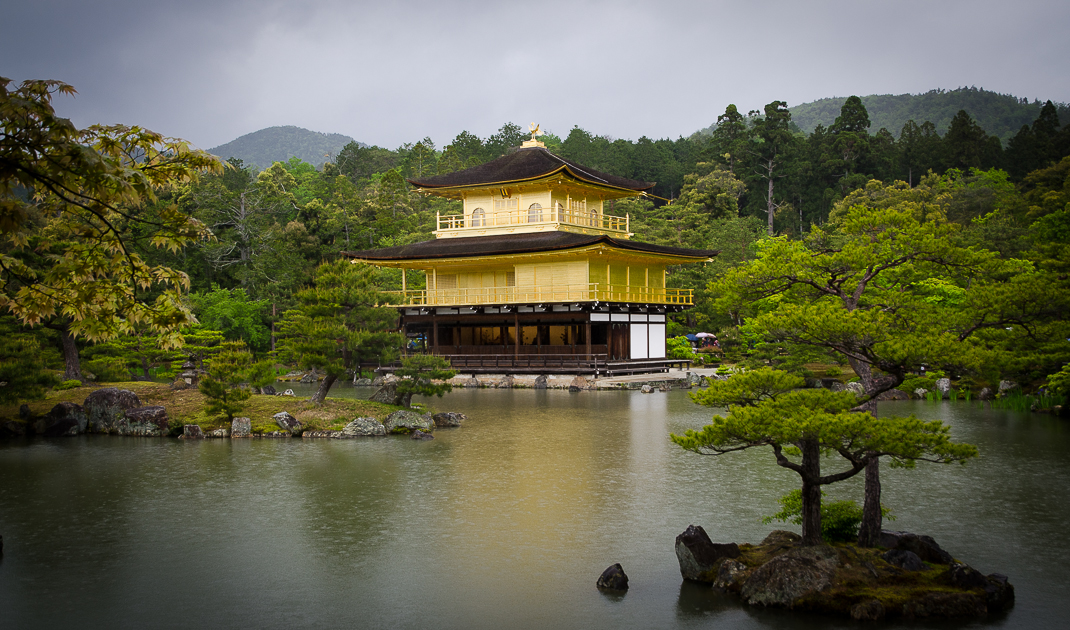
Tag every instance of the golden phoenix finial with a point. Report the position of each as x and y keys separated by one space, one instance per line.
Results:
x=535 y=131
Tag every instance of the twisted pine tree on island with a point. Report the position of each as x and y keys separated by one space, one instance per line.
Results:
x=766 y=408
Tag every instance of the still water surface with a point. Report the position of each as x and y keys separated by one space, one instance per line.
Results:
x=504 y=523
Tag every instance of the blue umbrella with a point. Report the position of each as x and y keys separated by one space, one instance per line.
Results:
x=691 y=337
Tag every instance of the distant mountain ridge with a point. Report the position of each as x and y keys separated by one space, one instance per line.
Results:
x=278 y=144
x=1000 y=115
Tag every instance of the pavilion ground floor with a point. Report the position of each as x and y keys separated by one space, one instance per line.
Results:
x=537 y=338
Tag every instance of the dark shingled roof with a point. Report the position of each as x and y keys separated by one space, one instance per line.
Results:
x=526 y=164
x=514 y=244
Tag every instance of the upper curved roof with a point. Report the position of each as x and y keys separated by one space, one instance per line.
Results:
x=517 y=244
x=526 y=164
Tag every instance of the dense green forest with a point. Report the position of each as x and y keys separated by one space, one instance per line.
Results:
x=753 y=178
x=278 y=144
x=1001 y=115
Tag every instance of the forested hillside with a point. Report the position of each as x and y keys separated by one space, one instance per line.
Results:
x=278 y=144
x=1001 y=115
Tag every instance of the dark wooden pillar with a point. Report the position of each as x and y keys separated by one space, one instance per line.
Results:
x=587 y=333
x=516 y=339
x=434 y=334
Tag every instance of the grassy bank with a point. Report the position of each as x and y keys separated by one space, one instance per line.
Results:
x=187 y=407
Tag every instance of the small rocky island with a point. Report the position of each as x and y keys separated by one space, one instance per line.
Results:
x=908 y=577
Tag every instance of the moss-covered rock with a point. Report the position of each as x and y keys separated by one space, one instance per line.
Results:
x=405 y=421
x=859 y=582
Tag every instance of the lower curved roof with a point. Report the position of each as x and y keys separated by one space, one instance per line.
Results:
x=528 y=243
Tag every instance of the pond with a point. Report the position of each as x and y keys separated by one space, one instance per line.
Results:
x=505 y=522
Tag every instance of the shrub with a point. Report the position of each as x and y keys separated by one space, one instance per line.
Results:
x=1059 y=382
x=223 y=385
x=23 y=373
x=839 y=519
x=68 y=385
x=108 y=369
x=680 y=348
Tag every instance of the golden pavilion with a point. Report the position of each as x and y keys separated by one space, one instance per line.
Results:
x=534 y=275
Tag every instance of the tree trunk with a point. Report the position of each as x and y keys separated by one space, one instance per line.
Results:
x=145 y=368
x=770 y=208
x=73 y=367
x=869 y=533
x=811 y=493
x=325 y=386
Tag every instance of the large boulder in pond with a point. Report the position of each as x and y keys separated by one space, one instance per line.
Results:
x=999 y=593
x=614 y=579
x=362 y=427
x=788 y=577
x=405 y=421
x=105 y=409
x=386 y=394
x=923 y=546
x=781 y=539
x=287 y=422
x=472 y=382
x=448 y=419
x=241 y=428
x=699 y=556
x=66 y=418
x=579 y=384
x=506 y=382
x=420 y=435
x=893 y=394
x=906 y=560
x=1006 y=387
x=731 y=575
x=383 y=379
x=192 y=432
x=146 y=421
x=943 y=387
x=541 y=381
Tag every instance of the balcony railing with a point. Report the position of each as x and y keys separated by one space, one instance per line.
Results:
x=591 y=292
x=535 y=216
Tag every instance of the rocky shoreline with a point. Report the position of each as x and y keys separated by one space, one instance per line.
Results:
x=910 y=577
x=113 y=411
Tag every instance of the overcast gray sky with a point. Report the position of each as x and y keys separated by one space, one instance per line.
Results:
x=387 y=73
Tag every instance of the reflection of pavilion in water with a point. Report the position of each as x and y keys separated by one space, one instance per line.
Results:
x=533 y=274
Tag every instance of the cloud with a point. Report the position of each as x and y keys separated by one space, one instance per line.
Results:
x=388 y=73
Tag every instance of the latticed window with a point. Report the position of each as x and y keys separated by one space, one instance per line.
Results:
x=506 y=204
x=479 y=218
x=447 y=281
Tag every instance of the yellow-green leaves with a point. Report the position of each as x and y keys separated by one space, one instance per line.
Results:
x=72 y=203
